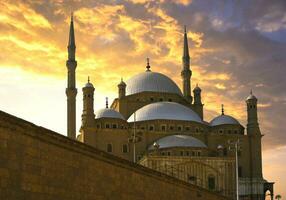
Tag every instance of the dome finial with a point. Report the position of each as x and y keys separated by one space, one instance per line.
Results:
x=251 y=91
x=88 y=79
x=148 y=65
x=106 y=102
x=222 y=109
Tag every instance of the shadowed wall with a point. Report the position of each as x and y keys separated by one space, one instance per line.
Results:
x=36 y=163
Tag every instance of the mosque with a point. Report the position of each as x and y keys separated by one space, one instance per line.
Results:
x=156 y=124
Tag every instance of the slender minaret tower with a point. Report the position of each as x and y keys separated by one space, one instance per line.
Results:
x=198 y=105
x=71 y=90
x=254 y=135
x=88 y=111
x=186 y=72
x=121 y=89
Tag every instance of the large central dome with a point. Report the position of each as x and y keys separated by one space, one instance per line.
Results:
x=165 y=111
x=151 y=82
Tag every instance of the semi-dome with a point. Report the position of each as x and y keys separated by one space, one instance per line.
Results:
x=167 y=111
x=151 y=82
x=177 y=141
x=223 y=119
x=108 y=113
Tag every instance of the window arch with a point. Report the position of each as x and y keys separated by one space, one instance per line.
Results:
x=125 y=148
x=109 y=148
x=211 y=182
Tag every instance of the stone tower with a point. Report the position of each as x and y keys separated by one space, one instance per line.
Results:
x=198 y=106
x=254 y=135
x=121 y=89
x=186 y=72
x=71 y=90
x=88 y=111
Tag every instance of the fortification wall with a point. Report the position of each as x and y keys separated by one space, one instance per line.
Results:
x=36 y=163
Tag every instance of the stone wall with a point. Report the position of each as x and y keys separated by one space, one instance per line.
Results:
x=36 y=163
x=222 y=169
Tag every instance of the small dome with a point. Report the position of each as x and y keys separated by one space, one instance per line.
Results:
x=165 y=110
x=251 y=96
x=223 y=119
x=178 y=141
x=197 y=88
x=151 y=82
x=122 y=83
x=88 y=84
x=108 y=113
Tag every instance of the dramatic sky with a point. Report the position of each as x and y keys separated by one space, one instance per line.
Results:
x=235 y=46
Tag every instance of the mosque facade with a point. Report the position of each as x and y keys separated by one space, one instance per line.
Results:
x=156 y=124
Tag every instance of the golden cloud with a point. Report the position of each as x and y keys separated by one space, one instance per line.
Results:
x=119 y=40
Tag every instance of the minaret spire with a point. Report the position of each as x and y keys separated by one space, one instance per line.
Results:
x=186 y=72
x=71 y=43
x=186 y=55
x=71 y=90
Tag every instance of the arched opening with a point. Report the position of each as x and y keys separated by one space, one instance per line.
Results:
x=211 y=182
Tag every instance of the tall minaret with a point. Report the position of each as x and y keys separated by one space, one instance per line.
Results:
x=71 y=90
x=186 y=72
x=254 y=135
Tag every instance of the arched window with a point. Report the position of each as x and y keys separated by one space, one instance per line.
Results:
x=211 y=182
x=109 y=148
x=125 y=148
x=239 y=171
x=225 y=151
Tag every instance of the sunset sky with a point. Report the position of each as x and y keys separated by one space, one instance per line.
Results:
x=235 y=46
